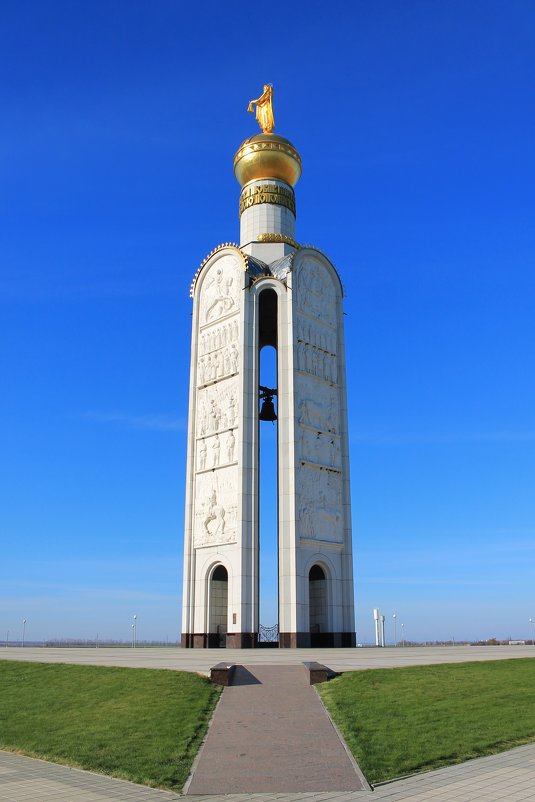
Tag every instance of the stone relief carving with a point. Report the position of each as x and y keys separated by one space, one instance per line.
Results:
x=217 y=408
x=216 y=337
x=315 y=292
x=321 y=449
x=217 y=365
x=210 y=453
x=318 y=407
x=220 y=289
x=230 y=446
x=308 y=331
x=317 y=362
x=320 y=510
x=201 y=457
x=215 y=507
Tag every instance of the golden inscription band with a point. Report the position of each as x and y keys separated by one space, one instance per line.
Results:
x=267 y=193
x=277 y=238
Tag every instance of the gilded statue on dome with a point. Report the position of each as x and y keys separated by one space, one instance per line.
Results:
x=264 y=109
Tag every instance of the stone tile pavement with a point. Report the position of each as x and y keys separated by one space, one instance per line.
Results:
x=509 y=777
x=24 y=779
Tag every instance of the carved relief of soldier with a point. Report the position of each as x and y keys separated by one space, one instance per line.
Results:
x=215 y=512
x=214 y=521
x=230 y=445
x=216 y=449
x=219 y=291
x=203 y=450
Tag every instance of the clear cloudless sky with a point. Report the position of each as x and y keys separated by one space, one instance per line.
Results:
x=415 y=122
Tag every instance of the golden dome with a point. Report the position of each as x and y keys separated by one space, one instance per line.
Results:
x=267 y=156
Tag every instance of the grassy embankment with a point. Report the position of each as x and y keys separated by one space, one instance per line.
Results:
x=141 y=725
x=405 y=720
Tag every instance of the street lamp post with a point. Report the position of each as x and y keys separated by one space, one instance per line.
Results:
x=531 y=626
x=135 y=631
x=23 y=631
x=7 y=639
x=403 y=635
x=395 y=630
x=132 y=636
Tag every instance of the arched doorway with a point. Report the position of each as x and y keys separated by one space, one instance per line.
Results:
x=317 y=605
x=218 y=607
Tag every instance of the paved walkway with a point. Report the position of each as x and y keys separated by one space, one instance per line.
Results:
x=509 y=777
x=271 y=733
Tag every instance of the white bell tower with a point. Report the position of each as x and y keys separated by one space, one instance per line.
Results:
x=268 y=290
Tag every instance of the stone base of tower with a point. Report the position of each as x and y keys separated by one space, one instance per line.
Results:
x=204 y=640
x=320 y=640
x=287 y=640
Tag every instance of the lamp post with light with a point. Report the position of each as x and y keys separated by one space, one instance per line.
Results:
x=403 y=635
x=135 y=631
x=23 y=631
x=531 y=626
x=395 y=630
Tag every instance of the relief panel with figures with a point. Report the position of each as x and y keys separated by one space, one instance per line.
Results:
x=315 y=292
x=317 y=362
x=215 y=337
x=217 y=365
x=220 y=291
x=318 y=406
x=217 y=407
x=219 y=449
x=215 y=507
x=320 y=449
x=319 y=505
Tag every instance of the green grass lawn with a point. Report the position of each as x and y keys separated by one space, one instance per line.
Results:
x=142 y=725
x=404 y=720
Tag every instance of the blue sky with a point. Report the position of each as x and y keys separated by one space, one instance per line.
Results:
x=415 y=123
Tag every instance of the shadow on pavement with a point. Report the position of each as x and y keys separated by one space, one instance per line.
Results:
x=244 y=677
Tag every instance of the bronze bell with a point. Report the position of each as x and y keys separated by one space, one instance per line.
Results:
x=268 y=410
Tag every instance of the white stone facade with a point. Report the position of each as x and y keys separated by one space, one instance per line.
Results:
x=222 y=514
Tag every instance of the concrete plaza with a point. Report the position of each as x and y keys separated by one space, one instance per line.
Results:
x=201 y=660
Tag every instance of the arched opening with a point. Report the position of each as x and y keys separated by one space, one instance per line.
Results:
x=268 y=548
x=218 y=607
x=317 y=605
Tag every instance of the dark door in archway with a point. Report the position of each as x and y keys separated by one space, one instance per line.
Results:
x=317 y=605
x=218 y=608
